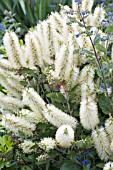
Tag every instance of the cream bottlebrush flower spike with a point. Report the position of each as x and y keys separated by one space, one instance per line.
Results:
x=45 y=38
x=65 y=136
x=16 y=124
x=42 y=157
x=33 y=49
x=26 y=146
x=31 y=116
x=10 y=103
x=47 y=144
x=98 y=16
x=14 y=50
x=88 y=108
x=57 y=117
x=47 y=42
x=6 y=65
x=101 y=143
x=87 y=5
x=66 y=62
x=108 y=166
x=109 y=127
x=57 y=21
x=55 y=34
x=11 y=82
x=32 y=99
x=111 y=145
x=74 y=5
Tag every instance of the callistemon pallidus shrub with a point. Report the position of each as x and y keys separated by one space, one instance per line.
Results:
x=60 y=79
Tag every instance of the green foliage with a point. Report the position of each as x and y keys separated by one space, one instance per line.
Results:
x=70 y=165
x=28 y=12
x=56 y=96
x=5 y=144
x=101 y=48
x=109 y=29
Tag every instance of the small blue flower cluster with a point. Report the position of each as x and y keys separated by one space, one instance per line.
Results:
x=83 y=13
x=85 y=162
x=86 y=153
x=1 y=26
x=82 y=53
x=102 y=87
x=104 y=39
x=76 y=1
x=77 y=35
x=102 y=124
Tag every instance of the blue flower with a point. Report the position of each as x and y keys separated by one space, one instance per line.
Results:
x=109 y=52
x=111 y=18
x=11 y=20
x=108 y=38
x=86 y=153
x=37 y=21
x=91 y=32
x=101 y=39
x=1 y=26
x=103 y=3
x=102 y=124
x=67 y=23
x=109 y=13
x=83 y=13
x=90 y=153
x=5 y=12
x=104 y=68
x=79 y=157
x=85 y=162
x=102 y=87
x=82 y=53
x=76 y=0
x=108 y=86
x=77 y=35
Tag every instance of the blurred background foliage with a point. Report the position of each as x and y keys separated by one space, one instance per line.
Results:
x=28 y=12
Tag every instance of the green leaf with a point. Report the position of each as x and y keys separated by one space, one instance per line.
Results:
x=47 y=165
x=88 y=52
x=100 y=165
x=1 y=164
x=97 y=39
x=29 y=13
x=109 y=29
x=22 y=4
x=7 y=164
x=103 y=103
x=70 y=165
x=56 y=96
x=87 y=167
x=2 y=141
x=101 y=48
x=26 y=168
